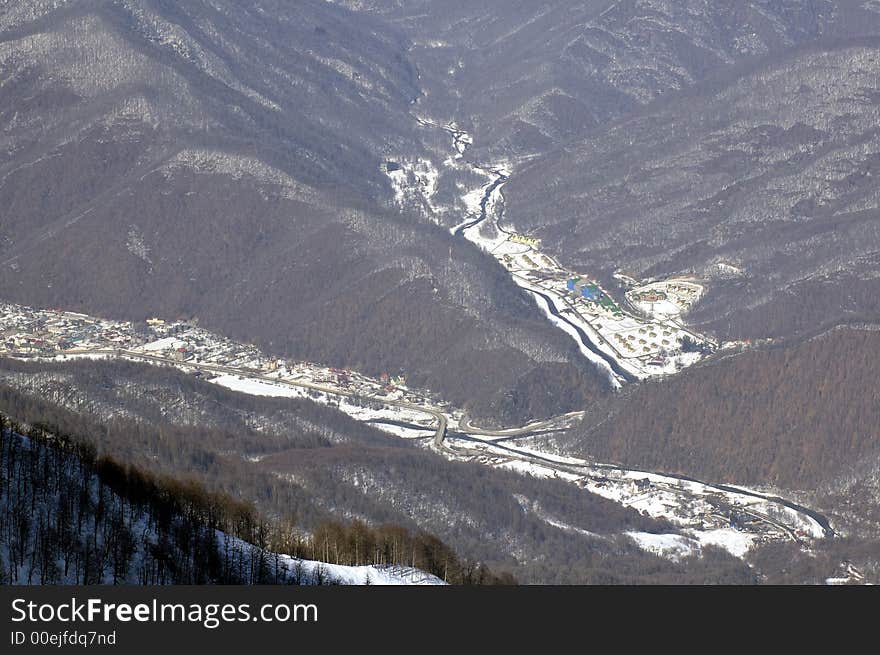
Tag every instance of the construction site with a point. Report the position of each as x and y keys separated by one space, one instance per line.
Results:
x=645 y=341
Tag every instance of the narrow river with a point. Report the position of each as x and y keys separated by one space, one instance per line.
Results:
x=500 y=179
x=488 y=212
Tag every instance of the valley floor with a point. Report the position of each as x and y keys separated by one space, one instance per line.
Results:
x=732 y=517
x=628 y=345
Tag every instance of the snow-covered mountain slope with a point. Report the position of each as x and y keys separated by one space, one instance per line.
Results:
x=227 y=162
x=294 y=457
x=64 y=522
x=533 y=73
x=770 y=173
x=729 y=141
x=316 y=572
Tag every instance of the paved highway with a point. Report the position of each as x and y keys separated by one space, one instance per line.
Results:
x=466 y=426
x=588 y=468
x=471 y=433
x=435 y=413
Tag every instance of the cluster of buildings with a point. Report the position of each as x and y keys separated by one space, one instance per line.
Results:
x=652 y=295
x=643 y=345
x=32 y=333
x=652 y=340
x=525 y=240
x=589 y=291
x=27 y=331
x=666 y=298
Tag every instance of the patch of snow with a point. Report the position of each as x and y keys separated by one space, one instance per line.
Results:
x=735 y=542
x=239 y=166
x=167 y=343
x=671 y=546
x=573 y=333
x=137 y=246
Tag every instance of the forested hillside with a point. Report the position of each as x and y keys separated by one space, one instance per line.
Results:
x=766 y=169
x=532 y=74
x=226 y=163
x=308 y=466
x=791 y=416
x=69 y=516
x=390 y=189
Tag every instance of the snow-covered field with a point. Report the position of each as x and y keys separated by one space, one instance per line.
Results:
x=733 y=519
x=363 y=575
x=665 y=299
x=166 y=343
x=643 y=347
x=310 y=572
x=382 y=417
x=677 y=546
x=672 y=546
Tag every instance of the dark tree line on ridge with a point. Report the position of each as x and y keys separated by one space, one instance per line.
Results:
x=795 y=415
x=483 y=514
x=70 y=515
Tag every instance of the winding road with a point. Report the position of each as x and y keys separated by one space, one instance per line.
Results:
x=134 y=355
x=501 y=179
x=468 y=432
x=588 y=469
